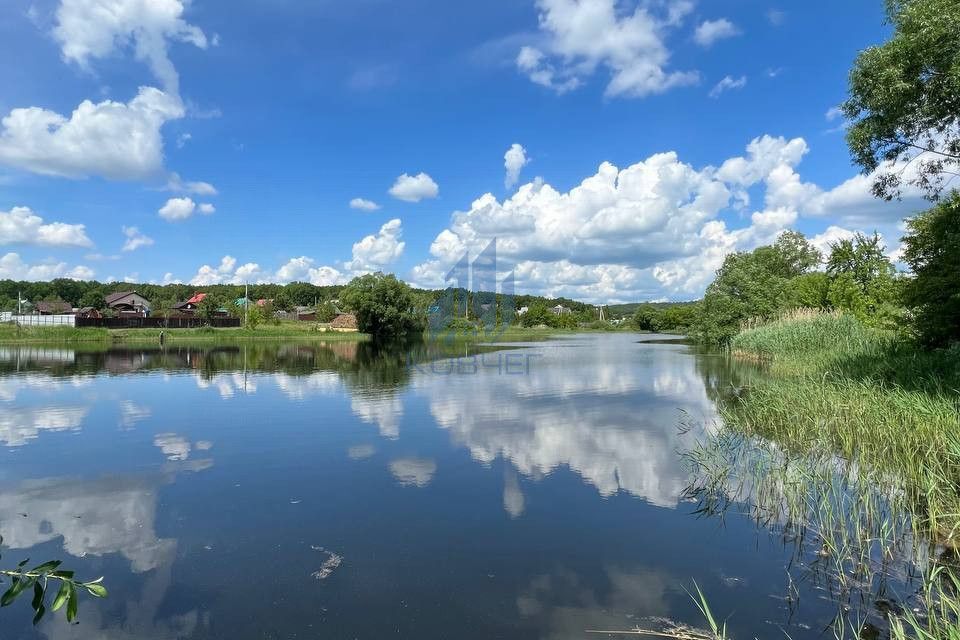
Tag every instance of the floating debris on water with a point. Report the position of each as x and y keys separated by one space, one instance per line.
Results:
x=329 y=565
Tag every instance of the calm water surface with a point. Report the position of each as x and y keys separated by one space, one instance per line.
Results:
x=341 y=491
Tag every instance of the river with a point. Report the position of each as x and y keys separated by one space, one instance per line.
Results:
x=343 y=491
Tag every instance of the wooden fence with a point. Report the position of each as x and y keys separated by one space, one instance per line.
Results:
x=157 y=323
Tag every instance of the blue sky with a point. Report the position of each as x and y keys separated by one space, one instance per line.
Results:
x=224 y=141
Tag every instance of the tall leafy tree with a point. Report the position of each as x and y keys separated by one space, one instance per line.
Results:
x=932 y=249
x=862 y=277
x=753 y=285
x=904 y=101
x=384 y=306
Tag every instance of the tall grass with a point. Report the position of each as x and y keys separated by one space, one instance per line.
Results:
x=865 y=428
x=806 y=334
x=13 y=333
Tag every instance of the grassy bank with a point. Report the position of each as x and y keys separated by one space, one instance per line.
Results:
x=11 y=334
x=868 y=396
x=855 y=434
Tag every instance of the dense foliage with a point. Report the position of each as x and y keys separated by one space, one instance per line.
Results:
x=90 y=293
x=762 y=284
x=932 y=249
x=539 y=314
x=669 y=318
x=384 y=305
x=904 y=99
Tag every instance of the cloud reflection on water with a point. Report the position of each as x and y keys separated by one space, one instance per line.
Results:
x=615 y=423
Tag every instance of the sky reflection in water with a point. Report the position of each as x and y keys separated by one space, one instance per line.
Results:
x=210 y=485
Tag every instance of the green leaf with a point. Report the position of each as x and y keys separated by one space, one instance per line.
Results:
x=11 y=594
x=39 y=616
x=37 y=596
x=46 y=567
x=22 y=563
x=37 y=603
x=72 y=603
x=62 y=596
x=96 y=590
x=68 y=575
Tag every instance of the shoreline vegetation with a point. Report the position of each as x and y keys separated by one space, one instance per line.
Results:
x=846 y=440
x=11 y=336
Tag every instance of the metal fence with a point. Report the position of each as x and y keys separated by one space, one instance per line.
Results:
x=44 y=321
x=157 y=323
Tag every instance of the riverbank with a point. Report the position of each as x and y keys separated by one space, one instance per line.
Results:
x=860 y=430
x=12 y=335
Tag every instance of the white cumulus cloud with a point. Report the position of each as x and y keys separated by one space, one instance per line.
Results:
x=110 y=139
x=514 y=160
x=656 y=229
x=177 y=209
x=20 y=225
x=227 y=272
x=12 y=267
x=374 y=252
x=414 y=188
x=302 y=269
x=362 y=204
x=93 y=29
x=135 y=239
x=581 y=36
x=710 y=31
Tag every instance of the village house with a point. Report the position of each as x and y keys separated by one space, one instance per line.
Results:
x=88 y=312
x=560 y=310
x=306 y=314
x=188 y=307
x=128 y=304
x=53 y=308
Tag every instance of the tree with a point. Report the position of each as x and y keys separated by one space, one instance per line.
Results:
x=904 y=102
x=795 y=254
x=752 y=285
x=92 y=298
x=846 y=294
x=809 y=290
x=932 y=249
x=209 y=307
x=862 y=277
x=281 y=302
x=326 y=312
x=537 y=314
x=384 y=306
x=255 y=316
x=647 y=318
x=677 y=317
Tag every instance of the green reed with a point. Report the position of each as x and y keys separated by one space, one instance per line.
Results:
x=850 y=442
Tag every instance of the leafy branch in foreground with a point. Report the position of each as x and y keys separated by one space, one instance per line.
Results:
x=38 y=581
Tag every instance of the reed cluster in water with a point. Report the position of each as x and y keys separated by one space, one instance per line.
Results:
x=851 y=444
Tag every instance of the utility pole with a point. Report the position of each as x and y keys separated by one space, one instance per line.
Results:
x=19 y=303
x=246 y=318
